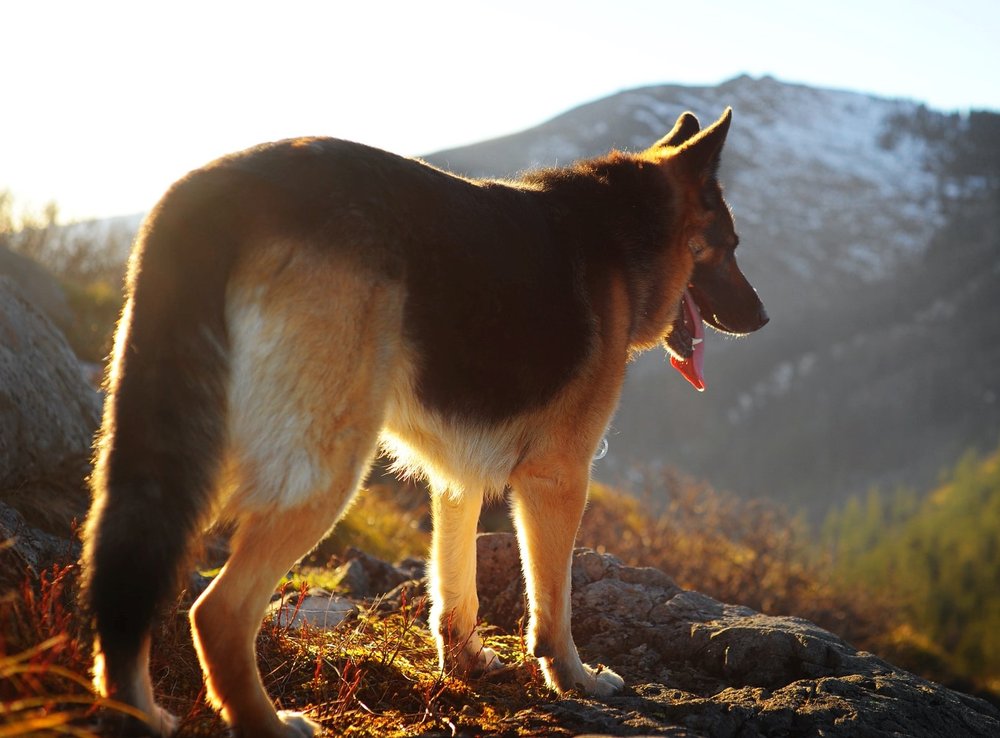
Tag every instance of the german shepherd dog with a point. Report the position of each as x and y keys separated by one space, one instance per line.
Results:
x=295 y=307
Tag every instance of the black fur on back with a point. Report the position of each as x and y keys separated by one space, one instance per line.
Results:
x=501 y=277
x=505 y=301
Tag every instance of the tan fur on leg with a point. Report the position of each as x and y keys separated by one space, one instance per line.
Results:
x=452 y=572
x=547 y=512
x=227 y=616
x=311 y=369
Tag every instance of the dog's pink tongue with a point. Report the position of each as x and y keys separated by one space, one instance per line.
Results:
x=691 y=367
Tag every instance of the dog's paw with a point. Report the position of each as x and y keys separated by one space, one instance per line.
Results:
x=467 y=657
x=485 y=661
x=298 y=725
x=156 y=722
x=600 y=682
x=474 y=660
x=606 y=682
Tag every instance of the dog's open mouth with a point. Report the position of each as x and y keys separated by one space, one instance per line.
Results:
x=686 y=343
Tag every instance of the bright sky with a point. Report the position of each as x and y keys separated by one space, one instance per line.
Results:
x=105 y=103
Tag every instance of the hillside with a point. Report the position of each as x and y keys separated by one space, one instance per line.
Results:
x=937 y=560
x=869 y=227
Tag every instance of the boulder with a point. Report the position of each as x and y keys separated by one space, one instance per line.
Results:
x=698 y=667
x=48 y=415
x=25 y=550
x=38 y=286
x=364 y=575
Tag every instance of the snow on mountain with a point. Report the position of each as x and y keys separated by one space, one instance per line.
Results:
x=879 y=190
x=800 y=165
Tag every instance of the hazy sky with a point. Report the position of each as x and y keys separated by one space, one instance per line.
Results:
x=103 y=104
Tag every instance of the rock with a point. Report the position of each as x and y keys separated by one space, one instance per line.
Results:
x=364 y=575
x=48 y=415
x=25 y=550
x=317 y=608
x=410 y=594
x=412 y=566
x=698 y=667
x=351 y=577
x=499 y=581
x=38 y=286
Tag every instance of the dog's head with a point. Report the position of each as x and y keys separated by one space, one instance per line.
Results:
x=717 y=292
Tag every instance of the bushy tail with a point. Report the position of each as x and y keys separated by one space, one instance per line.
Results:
x=164 y=418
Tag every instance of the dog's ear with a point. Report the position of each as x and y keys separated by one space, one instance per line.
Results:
x=685 y=127
x=700 y=154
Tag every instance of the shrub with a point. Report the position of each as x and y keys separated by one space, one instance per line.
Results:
x=748 y=552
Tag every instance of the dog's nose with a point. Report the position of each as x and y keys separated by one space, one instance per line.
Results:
x=762 y=316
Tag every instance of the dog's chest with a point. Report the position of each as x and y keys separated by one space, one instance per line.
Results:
x=450 y=453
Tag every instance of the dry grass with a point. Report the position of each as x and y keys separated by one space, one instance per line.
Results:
x=43 y=690
x=377 y=675
x=738 y=551
x=47 y=699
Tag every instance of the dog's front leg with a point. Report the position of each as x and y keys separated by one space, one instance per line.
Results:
x=454 y=602
x=547 y=512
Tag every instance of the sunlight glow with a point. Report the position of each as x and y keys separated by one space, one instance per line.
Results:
x=107 y=102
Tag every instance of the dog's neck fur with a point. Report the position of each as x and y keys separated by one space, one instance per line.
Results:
x=620 y=210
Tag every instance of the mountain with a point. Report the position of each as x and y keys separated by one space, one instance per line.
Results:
x=871 y=229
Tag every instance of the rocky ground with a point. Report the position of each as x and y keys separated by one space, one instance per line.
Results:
x=694 y=666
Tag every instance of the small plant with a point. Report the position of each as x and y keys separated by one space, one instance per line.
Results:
x=50 y=699
x=42 y=688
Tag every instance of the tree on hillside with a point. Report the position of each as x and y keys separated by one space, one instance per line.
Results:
x=939 y=560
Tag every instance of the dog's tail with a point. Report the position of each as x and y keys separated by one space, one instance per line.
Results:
x=164 y=422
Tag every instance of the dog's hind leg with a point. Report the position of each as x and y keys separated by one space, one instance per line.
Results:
x=314 y=346
x=227 y=616
x=455 y=604
x=269 y=539
x=547 y=511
